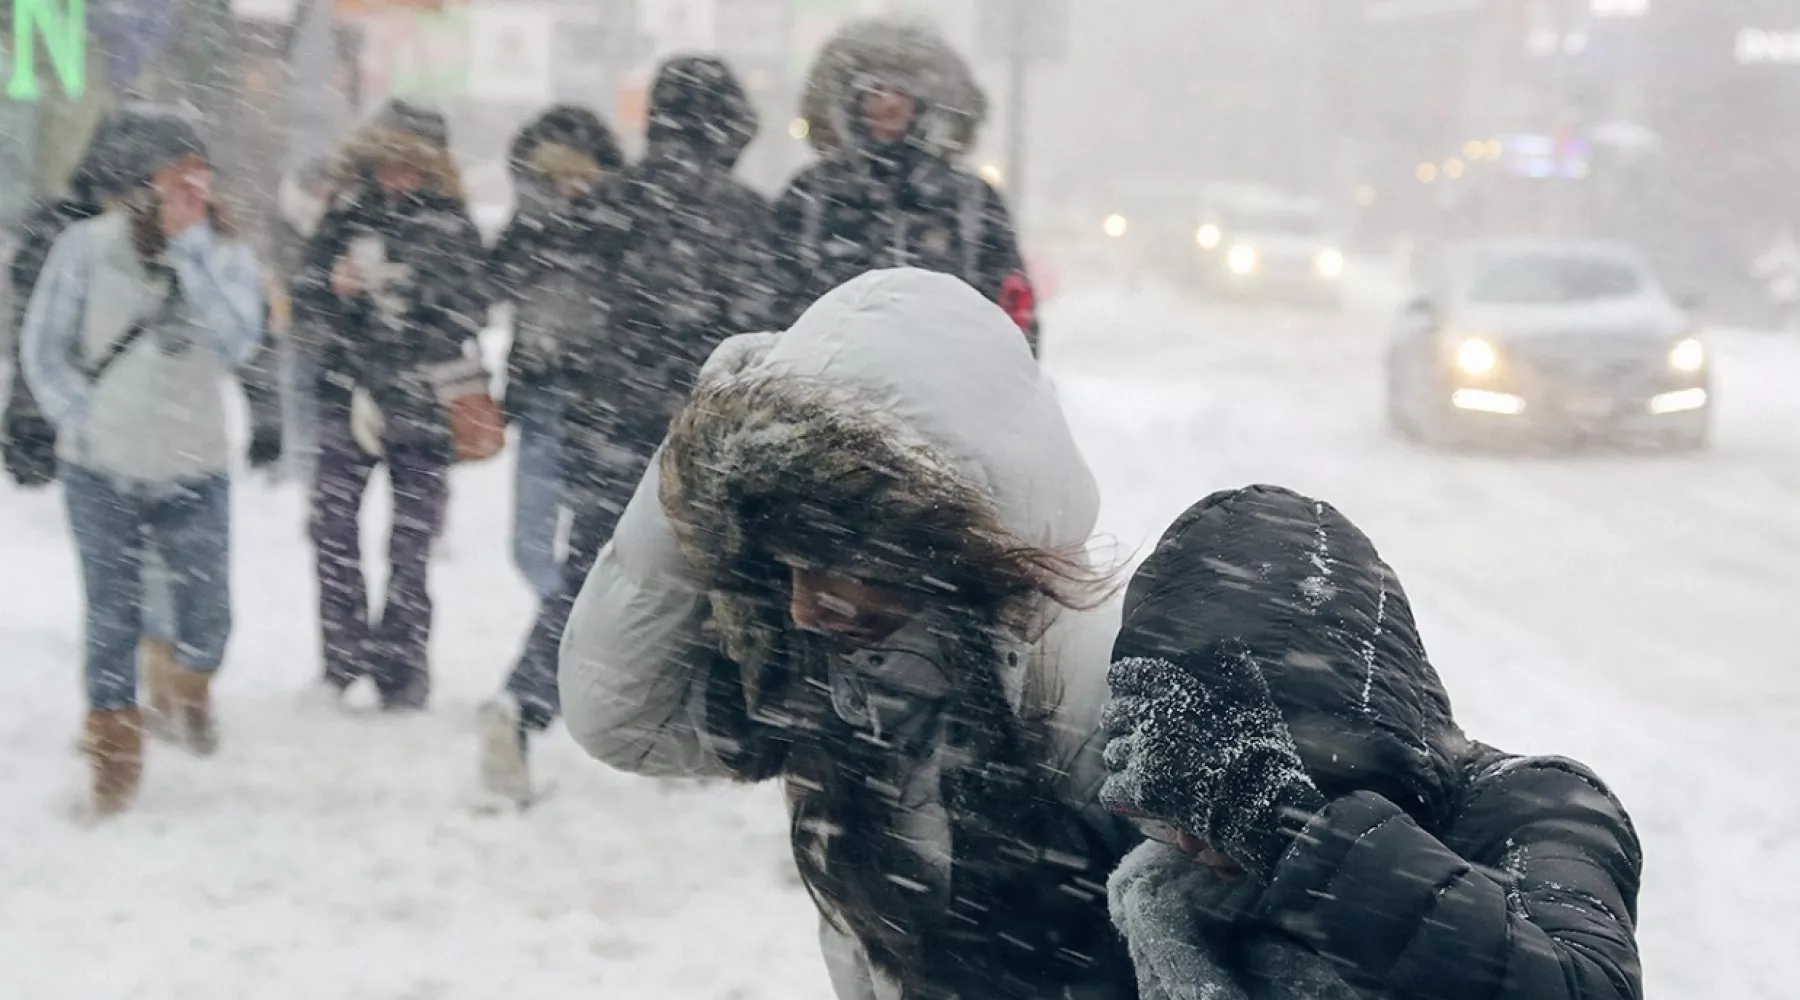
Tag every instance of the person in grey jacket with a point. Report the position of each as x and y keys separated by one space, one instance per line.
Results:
x=138 y=318
x=858 y=565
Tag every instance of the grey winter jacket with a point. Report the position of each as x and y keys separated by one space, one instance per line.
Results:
x=157 y=415
x=954 y=370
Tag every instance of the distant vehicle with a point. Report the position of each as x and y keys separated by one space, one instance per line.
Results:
x=1148 y=218
x=1258 y=243
x=1542 y=340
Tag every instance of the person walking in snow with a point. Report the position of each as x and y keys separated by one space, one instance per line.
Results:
x=304 y=195
x=549 y=264
x=890 y=107
x=394 y=280
x=137 y=316
x=1329 y=832
x=684 y=256
x=859 y=567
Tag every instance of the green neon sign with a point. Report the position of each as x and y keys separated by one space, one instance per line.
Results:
x=61 y=25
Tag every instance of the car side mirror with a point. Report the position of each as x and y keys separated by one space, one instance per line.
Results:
x=1419 y=307
x=1690 y=301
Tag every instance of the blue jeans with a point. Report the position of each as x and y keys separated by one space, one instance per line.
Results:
x=115 y=523
x=537 y=488
x=159 y=598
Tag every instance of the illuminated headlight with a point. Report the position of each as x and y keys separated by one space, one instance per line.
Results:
x=1682 y=401
x=1481 y=401
x=1329 y=264
x=1476 y=356
x=1687 y=356
x=1116 y=226
x=1243 y=259
x=1209 y=237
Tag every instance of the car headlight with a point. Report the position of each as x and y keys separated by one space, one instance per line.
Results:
x=1476 y=356
x=1330 y=264
x=1243 y=259
x=1116 y=226
x=1688 y=355
x=1209 y=237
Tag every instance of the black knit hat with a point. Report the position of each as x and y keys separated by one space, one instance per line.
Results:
x=133 y=143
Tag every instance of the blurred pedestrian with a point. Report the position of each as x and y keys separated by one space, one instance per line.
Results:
x=394 y=284
x=135 y=318
x=549 y=264
x=304 y=196
x=683 y=272
x=891 y=107
x=859 y=567
x=1329 y=830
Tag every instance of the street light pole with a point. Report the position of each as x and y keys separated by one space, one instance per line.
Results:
x=1016 y=78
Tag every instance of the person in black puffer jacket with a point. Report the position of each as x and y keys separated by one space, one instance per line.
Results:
x=685 y=246
x=394 y=280
x=549 y=264
x=1327 y=829
x=890 y=107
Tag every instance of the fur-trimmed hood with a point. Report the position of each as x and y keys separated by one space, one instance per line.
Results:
x=379 y=142
x=538 y=150
x=925 y=382
x=698 y=101
x=909 y=53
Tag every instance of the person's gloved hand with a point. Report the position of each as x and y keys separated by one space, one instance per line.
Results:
x=29 y=448
x=367 y=425
x=1206 y=750
x=265 y=446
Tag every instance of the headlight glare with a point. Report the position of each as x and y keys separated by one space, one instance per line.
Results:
x=1243 y=259
x=1476 y=356
x=1330 y=264
x=1116 y=226
x=1688 y=355
x=1209 y=237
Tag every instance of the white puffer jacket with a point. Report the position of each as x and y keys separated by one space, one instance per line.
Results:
x=931 y=351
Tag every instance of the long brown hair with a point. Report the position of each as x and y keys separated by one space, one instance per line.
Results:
x=761 y=473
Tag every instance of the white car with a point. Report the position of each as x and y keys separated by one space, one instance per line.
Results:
x=1542 y=340
x=1262 y=245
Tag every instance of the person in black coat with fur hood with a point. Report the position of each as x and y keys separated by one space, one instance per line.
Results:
x=685 y=259
x=549 y=264
x=890 y=107
x=1325 y=828
x=394 y=280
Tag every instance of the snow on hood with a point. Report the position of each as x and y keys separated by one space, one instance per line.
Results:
x=1300 y=585
x=911 y=53
x=952 y=366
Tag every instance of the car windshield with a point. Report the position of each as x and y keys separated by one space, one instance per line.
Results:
x=1553 y=279
x=1273 y=222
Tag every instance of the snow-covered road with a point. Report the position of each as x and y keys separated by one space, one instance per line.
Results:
x=1634 y=611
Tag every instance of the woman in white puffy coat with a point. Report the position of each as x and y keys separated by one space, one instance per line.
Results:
x=859 y=565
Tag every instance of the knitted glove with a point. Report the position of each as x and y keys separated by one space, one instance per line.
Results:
x=1206 y=750
x=28 y=448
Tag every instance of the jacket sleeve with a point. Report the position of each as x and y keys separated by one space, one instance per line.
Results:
x=457 y=288
x=48 y=337
x=1002 y=266
x=222 y=282
x=788 y=279
x=1546 y=912
x=634 y=663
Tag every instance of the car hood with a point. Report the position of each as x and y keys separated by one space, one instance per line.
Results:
x=1647 y=317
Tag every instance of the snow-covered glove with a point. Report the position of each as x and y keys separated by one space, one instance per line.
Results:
x=265 y=446
x=1201 y=745
x=366 y=421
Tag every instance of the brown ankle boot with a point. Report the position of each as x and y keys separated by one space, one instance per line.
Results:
x=114 y=743
x=156 y=667
x=190 y=698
